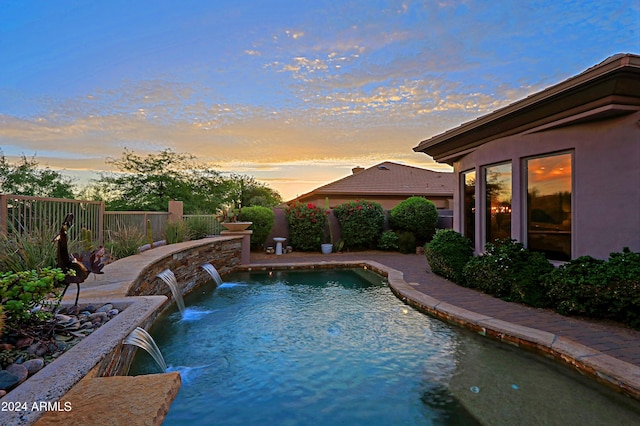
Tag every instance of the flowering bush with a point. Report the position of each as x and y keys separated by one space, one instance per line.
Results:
x=361 y=223
x=306 y=226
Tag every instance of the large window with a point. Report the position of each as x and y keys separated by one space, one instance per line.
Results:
x=469 y=205
x=497 y=187
x=549 y=205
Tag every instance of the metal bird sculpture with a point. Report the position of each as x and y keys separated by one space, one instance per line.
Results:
x=82 y=265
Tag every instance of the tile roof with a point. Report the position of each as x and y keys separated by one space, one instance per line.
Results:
x=389 y=178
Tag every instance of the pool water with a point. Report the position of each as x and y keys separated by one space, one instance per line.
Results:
x=336 y=347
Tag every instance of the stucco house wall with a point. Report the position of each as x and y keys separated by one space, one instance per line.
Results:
x=606 y=181
x=588 y=124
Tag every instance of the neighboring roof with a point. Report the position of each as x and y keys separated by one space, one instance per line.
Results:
x=605 y=90
x=388 y=178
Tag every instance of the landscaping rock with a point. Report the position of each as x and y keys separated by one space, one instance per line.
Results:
x=33 y=365
x=87 y=325
x=38 y=349
x=18 y=370
x=71 y=326
x=98 y=317
x=7 y=380
x=106 y=308
x=63 y=319
x=73 y=310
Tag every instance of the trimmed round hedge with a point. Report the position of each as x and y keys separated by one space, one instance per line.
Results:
x=416 y=215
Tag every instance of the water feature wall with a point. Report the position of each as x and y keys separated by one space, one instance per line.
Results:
x=102 y=353
x=186 y=265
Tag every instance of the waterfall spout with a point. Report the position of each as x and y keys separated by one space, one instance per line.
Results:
x=213 y=272
x=170 y=279
x=140 y=338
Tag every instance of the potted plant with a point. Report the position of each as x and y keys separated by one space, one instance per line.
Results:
x=228 y=218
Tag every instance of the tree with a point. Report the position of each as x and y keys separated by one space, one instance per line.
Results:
x=27 y=178
x=148 y=183
x=246 y=191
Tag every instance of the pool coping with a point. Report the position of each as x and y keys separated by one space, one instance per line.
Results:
x=619 y=375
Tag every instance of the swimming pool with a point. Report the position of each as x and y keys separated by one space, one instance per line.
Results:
x=337 y=347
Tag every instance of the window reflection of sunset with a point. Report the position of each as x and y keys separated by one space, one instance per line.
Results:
x=549 y=212
x=550 y=174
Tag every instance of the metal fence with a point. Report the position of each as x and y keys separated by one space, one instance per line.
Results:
x=23 y=214
x=118 y=221
x=209 y=221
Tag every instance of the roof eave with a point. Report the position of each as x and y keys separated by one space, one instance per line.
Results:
x=616 y=81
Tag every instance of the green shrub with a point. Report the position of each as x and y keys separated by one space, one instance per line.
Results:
x=21 y=292
x=388 y=241
x=575 y=286
x=417 y=215
x=306 y=226
x=361 y=223
x=406 y=242
x=508 y=270
x=263 y=219
x=448 y=253
x=597 y=288
x=176 y=231
x=623 y=270
x=125 y=241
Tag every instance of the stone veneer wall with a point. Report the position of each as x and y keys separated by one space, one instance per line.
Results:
x=223 y=254
x=186 y=265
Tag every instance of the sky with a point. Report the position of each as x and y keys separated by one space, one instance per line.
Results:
x=294 y=93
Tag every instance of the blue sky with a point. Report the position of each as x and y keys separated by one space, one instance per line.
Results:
x=295 y=93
